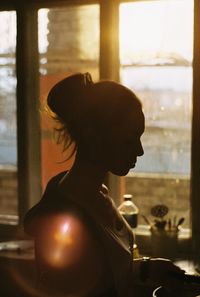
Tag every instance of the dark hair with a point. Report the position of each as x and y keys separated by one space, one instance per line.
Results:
x=77 y=103
x=65 y=100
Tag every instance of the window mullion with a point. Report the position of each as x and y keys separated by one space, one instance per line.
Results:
x=109 y=62
x=195 y=180
x=28 y=108
x=109 y=40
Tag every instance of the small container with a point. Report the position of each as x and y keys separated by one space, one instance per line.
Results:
x=164 y=243
x=129 y=210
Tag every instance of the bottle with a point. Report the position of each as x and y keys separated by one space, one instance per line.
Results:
x=129 y=210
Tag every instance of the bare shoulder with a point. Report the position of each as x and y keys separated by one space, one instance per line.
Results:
x=67 y=250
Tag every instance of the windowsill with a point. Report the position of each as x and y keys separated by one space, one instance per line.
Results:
x=17 y=249
x=11 y=220
x=143 y=230
x=10 y=228
x=143 y=240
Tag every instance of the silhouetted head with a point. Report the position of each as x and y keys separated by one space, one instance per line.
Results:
x=104 y=119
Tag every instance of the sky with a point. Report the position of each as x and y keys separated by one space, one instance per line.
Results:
x=156 y=26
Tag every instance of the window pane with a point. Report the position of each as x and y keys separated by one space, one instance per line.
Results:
x=8 y=139
x=156 y=62
x=68 y=43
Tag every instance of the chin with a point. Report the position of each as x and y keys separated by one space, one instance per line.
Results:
x=120 y=172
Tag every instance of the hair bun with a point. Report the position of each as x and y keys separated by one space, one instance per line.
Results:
x=67 y=93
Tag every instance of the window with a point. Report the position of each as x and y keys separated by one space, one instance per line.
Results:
x=107 y=28
x=156 y=53
x=19 y=158
x=8 y=118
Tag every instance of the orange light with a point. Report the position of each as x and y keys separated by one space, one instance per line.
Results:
x=63 y=236
x=65 y=241
x=65 y=227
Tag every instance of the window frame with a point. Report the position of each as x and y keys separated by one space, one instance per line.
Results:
x=28 y=127
x=195 y=150
x=7 y=230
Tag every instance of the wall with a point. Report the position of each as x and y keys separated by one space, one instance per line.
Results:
x=8 y=190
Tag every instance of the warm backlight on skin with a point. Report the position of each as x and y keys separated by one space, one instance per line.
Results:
x=64 y=241
x=57 y=256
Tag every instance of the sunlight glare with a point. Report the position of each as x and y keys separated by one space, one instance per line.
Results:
x=7 y=32
x=149 y=27
x=43 y=30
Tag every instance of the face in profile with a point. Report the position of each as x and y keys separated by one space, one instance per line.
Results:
x=112 y=128
x=125 y=143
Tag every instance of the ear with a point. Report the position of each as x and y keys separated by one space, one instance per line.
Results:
x=95 y=148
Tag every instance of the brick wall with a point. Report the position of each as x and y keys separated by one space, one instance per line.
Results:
x=8 y=190
x=146 y=190
x=149 y=190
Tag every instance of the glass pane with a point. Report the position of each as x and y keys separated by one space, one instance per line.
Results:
x=156 y=62
x=68 y=43
x=8 y=138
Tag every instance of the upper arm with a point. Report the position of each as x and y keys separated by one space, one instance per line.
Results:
x=63 y=238
x=67 y=250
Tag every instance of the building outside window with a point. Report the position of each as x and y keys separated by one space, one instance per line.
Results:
x=156 y=53
x=8 y=122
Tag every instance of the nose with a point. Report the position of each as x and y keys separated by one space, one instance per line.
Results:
x=140 y=149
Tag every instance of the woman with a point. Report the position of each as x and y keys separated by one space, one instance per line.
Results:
x=105 y=122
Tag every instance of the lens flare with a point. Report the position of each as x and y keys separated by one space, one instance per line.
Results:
x=65 y=251
x=65 y=227
x=63 y=240
x=63 y=236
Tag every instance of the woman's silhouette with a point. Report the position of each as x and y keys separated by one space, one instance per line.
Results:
x=83 y=245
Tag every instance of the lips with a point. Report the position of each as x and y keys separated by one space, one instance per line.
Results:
x=134 y=162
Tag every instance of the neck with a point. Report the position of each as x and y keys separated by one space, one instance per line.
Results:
x=84 y=177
